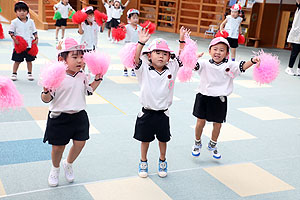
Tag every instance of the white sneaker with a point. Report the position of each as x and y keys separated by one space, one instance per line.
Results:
x=68 y=171
x=162 y=168
x=14 y=77
x=196 y=150
x=109 y=38
x=214 y=151
x=30 y=77
x=298 y=72
x=290 y=71
x=53 y=177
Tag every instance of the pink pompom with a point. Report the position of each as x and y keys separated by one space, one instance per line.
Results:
x=79 y=17
x=184 y=74
x=127 y=55
x=268 y=68
x=52 y=75
x=149 y=26
x=9 y=95
x=224 y=34
x=97 y=62
x=188 y=55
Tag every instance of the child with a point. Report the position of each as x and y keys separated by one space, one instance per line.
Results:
x=156 y=74
x=63 y=7
x=116 y=14
x=108 y=7
x=132 y=29
x=232 y=25
x=67 y=118
x=89 y=30
x=216 y=83
x=24 y=27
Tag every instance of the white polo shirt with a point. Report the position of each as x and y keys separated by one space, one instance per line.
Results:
x=108 y=9
x=70 y=96
x=90 y=35
x=132 y=33
x=117 y=13
x=63 y=9
x=23 y=29
x=156 y=87
x=233 y=26
x=217 y=79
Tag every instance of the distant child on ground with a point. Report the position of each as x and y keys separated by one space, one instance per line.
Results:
x=89 y=30
x=63 y=7
x=67 y=118
x=117 y=12
x=108 y=7
x=156 y=71
x=132 y=29
x=216 y=83
x=24 y=27
x=232 y=25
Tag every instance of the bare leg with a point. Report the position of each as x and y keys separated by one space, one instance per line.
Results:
x=56 y=154
x=216 y=131
x=163 y=150
x=199 y=128
x=144 y=150
x=63 y=32
x=16 y=67
x=56 y=32
x=75 y=150
x=29 y=67
x=233 y=51
x=108 y=32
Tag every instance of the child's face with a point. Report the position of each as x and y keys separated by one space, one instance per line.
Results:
x=218 y=52
x=159 y=58
x=65 y=1
x=74 y=61
x=134 y=19
x=234 y=14
x=21 y=14
x=117 y=4
x=90 y=17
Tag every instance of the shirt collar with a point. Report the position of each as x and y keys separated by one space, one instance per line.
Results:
x=74 y=74
x=220 y=63
x=152 y=68
x=21 y=20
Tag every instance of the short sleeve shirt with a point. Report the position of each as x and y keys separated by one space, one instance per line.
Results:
x=232 y=26
x=63 y=9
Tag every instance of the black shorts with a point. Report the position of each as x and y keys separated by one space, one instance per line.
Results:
x=61 y=22
x=212 y=109
x=114 y=23
x=62 y=129
x=107 y=25
x=19 y=57
x=233 y=42
x=150 y=123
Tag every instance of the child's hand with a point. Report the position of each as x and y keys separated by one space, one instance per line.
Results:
x=144 y=35
x=200 y=55
x=256 y=59
x=16 y=41
x=184 y=31
x=45 y=89
x=98 y=76
x=36 y=40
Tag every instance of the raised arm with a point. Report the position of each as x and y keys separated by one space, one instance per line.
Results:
x=298 y=1
x=126 y=4
x=251 y=62
x=143 y=38
x=183 y=32
x=103 y=1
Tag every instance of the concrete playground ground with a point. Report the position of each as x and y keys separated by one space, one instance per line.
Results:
x=259 y=143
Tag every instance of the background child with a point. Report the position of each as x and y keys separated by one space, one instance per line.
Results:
x=132 y=29
x=63 y=7
x=24 y=27
x=232 y=25
x=156 y=74
x=108 y=7
x=117 y=12
x=67 y=118
x=216 y=83
x=89 y=30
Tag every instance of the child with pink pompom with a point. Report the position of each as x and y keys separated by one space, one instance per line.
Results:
x=156 y=71
x=216 y=83
x=67 y=118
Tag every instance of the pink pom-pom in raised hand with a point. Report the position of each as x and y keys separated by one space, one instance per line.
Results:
x=184 y=74
x=97 y=62
x=188 y=55
x=52 y=75
x=79 y=17
x=9 y=95
x=127 y=54
x=268 y=68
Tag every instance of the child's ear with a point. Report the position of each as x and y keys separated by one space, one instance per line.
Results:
x=60 y=58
